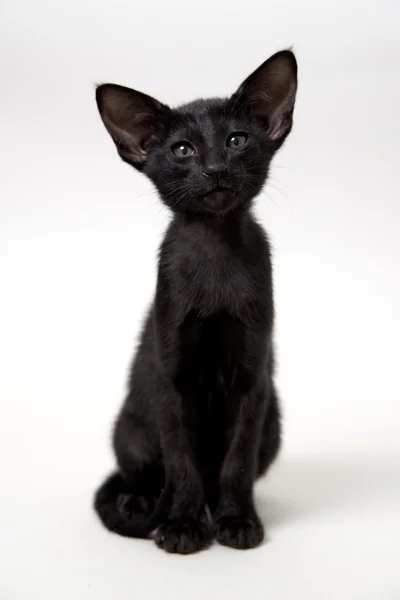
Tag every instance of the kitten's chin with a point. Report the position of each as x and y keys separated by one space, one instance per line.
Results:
x=222 y=202
x=219 y=200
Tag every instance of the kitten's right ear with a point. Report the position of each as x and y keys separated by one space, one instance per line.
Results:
x=132 y=119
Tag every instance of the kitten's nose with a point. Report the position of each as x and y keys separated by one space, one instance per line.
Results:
x=214 y=169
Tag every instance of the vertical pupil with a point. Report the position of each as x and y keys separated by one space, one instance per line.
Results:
x=184 y=149
x=236 y=141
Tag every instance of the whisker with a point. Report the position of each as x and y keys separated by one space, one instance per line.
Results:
x=282 y=192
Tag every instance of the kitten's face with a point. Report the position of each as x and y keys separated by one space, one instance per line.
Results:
x=212 y=158
x=209 y=156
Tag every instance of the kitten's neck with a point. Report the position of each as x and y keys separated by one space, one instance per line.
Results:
x=230 y=227
x=231 y=220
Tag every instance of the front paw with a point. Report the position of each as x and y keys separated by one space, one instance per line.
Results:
x=184 y=535
x=239 y=531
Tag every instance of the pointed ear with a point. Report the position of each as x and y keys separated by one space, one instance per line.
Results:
x=269 y=94
x=133 y=120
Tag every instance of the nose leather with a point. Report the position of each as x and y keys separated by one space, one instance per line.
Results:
x=214 y=169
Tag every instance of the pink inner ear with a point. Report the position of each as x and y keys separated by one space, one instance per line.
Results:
x=280 y=126
x=270 y=93
x=131 y=118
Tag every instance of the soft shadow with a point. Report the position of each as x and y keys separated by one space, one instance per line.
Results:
x=298 y=489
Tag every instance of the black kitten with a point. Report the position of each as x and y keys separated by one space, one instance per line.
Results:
x=201 y=419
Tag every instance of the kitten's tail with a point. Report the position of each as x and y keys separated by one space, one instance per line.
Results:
x=105 y=504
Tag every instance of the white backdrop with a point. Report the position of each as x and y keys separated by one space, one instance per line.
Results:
x=78 y=236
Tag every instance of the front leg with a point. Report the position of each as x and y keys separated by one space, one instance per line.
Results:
x=237 y=522
x=186 y=528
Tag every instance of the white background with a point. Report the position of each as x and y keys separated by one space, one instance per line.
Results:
x=78 y=236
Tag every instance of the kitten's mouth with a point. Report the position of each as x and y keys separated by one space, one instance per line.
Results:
x=217 y=188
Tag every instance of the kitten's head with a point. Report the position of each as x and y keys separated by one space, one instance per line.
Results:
x=209 y=156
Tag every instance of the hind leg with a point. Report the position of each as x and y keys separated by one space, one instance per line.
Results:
x=270 y=436
x=142 y=491
x=140 y=465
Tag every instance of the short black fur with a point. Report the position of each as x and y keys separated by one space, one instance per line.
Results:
x=201 y=418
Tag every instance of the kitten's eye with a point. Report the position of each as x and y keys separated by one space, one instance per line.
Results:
x=237 y=140
x=183 y=149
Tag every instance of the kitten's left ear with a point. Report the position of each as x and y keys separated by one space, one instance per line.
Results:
x=133 y=120
x=269 y=94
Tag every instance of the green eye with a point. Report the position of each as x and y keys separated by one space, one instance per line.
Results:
x=183 y=149
x=237 y=140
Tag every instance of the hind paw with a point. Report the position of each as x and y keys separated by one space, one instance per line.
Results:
x=129 y=505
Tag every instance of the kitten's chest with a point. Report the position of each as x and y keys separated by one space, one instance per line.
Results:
x=213 y=277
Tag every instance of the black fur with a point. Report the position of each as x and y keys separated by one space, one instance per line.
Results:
x=201 y=418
